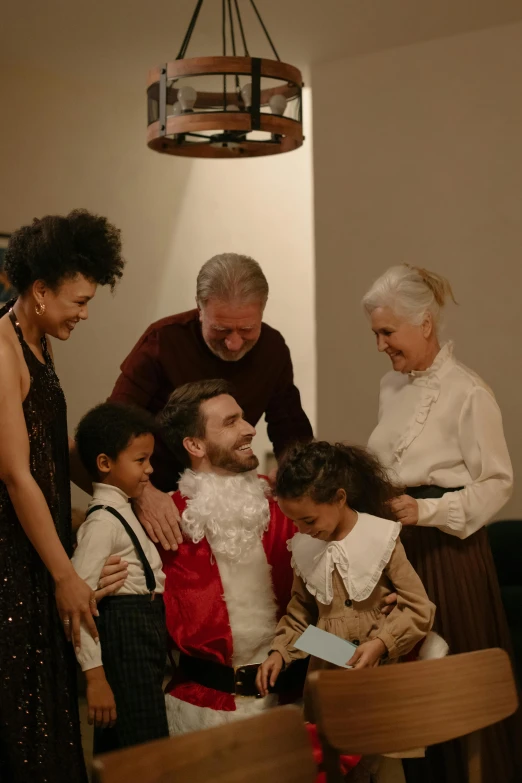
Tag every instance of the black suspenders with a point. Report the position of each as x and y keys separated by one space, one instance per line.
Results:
x=149 y=574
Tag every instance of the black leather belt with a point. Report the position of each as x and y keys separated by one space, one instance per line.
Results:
x=240 y=680
x=429 y=491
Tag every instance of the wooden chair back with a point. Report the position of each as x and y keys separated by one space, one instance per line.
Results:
x=411 y=705
x=270 y=748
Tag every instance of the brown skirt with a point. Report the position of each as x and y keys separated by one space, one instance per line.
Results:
x=460 y=579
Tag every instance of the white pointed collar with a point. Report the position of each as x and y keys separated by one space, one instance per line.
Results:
x=360 y=558
x=109 y=495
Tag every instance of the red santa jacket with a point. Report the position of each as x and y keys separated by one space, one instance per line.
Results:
x=196 y=612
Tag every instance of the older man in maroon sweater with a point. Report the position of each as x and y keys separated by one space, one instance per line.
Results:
x=224 y=337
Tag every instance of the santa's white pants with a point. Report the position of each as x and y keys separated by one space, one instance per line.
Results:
x=184 y=717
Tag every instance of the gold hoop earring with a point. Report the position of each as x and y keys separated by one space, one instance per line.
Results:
x=39 y=308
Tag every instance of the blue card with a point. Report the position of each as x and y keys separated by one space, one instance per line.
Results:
x=326 y=646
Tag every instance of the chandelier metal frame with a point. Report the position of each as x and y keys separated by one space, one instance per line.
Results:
x=222 y=124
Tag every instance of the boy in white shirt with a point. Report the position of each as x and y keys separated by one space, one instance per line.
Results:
x=124 y=691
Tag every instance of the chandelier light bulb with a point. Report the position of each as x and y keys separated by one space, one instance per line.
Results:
x=176 y=109
x=277 y=104
x=246 y=94
x=187 y=97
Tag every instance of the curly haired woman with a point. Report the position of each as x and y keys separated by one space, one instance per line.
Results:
x=55 y=264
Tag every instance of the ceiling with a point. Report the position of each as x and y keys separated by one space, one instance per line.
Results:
x=118 y=40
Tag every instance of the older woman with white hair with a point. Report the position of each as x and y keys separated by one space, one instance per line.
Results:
x=440 y=435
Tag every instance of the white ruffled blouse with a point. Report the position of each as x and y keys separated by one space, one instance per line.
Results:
x=443 y=427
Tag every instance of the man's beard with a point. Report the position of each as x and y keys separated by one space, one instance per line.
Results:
x=226 y=459
x=232 y=512
x=220 y=350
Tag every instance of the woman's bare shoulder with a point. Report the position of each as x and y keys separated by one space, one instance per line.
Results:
x=11 y=356
x=7 y=337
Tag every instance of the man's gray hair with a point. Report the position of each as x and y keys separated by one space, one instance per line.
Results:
x=231 y=277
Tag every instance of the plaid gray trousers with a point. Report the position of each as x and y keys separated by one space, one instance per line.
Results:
x=133 y=640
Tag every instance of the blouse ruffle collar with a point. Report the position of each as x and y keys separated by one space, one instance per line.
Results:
x=445 y=353
x=429 y=380
x=360 y=558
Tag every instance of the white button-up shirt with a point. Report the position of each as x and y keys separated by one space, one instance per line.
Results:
x=102 y=535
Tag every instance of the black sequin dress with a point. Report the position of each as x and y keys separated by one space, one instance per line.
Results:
x=39 y=721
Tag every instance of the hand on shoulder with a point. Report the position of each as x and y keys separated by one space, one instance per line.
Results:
x=160 y=517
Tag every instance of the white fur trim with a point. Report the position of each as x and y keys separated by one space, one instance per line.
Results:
x=434 y=646
x=251 y=604
x=231 y=512
x=184 y=717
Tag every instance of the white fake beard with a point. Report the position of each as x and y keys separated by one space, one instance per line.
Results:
x=232 y=512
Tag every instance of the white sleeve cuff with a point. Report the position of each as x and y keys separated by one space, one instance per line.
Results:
x=445 y=513
x=89 y=656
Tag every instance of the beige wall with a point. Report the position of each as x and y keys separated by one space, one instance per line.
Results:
x=65 y=144
x=418 y=158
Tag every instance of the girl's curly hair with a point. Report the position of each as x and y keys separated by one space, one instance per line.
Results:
x=319 y=469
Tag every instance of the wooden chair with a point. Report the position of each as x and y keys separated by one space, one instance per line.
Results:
x=412 y=705
x=270 y=748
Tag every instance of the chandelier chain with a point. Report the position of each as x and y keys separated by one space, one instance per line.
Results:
x=265 y=30
x=190 y=30
x=224 y=35
x=224 y=5
x=240 y=21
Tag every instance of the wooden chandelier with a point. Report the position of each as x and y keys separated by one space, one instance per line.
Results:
x=244 y=107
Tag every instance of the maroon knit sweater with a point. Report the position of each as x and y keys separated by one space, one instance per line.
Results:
x=172 y=352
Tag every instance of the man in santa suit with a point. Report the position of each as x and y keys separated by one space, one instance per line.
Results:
x=229 y=582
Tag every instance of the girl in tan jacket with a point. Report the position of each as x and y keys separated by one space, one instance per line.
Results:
x=347 y=557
